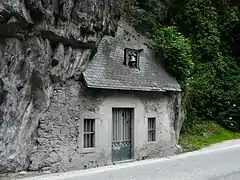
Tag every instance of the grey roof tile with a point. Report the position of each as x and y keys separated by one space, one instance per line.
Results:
x=106 y=70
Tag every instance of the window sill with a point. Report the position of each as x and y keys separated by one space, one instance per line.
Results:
x=88 y=150
x=151 y=142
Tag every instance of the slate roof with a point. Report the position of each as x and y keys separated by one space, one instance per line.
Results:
x=107 y=71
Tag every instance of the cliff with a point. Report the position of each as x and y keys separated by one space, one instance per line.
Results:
x=43 y=43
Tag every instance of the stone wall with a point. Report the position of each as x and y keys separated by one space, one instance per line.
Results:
x=45 y=46
x=58 y=146
x=59 y=143
x=43 y=43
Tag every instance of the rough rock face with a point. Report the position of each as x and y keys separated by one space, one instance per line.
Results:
x=43 y=44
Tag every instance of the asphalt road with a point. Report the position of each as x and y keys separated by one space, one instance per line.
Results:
x=221 y=162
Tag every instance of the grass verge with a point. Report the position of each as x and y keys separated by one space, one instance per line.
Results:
x=204 y=135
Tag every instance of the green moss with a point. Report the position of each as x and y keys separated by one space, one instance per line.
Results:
x=205 y=134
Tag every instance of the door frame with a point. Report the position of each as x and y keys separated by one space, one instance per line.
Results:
x=132 y=132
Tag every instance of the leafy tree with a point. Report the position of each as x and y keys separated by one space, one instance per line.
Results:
x=195 y=39
x=175 y=51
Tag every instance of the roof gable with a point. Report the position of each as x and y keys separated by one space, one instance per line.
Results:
x=107 y=70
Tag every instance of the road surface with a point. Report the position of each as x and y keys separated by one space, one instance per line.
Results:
x=219 y=162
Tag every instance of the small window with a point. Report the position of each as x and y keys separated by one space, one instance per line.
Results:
x=89 y=133
x=151 y=129
x=131 y=57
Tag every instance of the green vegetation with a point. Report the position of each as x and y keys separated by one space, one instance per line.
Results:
x=204 y=135
x=175 y=51
x=195 y=40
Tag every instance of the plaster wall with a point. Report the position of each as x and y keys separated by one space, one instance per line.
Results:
x=59 y=142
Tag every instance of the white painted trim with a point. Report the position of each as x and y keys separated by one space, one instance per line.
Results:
x=89 y=115
x=88 y=150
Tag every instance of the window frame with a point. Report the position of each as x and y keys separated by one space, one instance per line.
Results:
x=89 y=131
x=128 y=51
x=151 y=133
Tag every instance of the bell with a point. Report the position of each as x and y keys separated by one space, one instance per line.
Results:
x=133 y=59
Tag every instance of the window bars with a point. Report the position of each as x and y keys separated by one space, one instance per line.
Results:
x=89 y=133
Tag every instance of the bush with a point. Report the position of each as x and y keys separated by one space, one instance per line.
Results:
x=175 y=51
x=194 y=38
